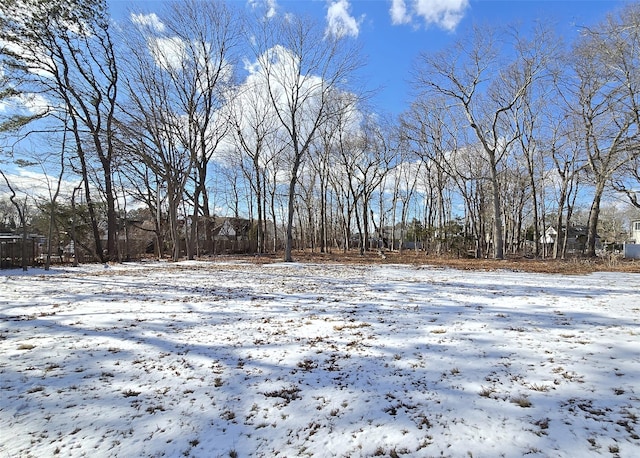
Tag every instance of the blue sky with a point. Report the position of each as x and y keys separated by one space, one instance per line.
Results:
x=394 y=32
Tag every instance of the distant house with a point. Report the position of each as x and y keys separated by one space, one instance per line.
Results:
x=576 y=238
x=232 y=229
x=635 y=232
x=220 y=235
x=136 y=238
x=549 y=237
x=233 y=235
x=632 y=247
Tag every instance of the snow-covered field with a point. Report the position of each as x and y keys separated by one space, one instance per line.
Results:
x=240 y=359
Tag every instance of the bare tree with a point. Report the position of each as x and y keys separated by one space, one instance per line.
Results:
x=53 y=187
x=64 y=51
x=605 y=95
x=535 y=117
x=373 y=166
x=254 y=132
x=149 y=131
x=403 y=179
x=363 y=158
x=348 y=151
x=565 y=149
x=330 y=167
x=199 y=65
x=431 y=130
x=628 y=180
x=516 y=189
x=485 y=81
x=302 y=67
x=178 y=76
x=621 y=53
x=321 y=165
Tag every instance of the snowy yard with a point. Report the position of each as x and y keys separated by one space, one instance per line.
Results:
x=240 y=359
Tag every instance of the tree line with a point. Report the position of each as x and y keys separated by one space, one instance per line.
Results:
x=207 y=109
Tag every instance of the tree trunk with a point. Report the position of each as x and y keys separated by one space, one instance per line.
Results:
x=594 y=213
x=112 y=215
x=291 y=207
x=498 y=227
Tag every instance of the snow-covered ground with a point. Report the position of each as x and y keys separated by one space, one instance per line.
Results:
x=240 y=359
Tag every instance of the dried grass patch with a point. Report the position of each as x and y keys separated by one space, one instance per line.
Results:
x=574 y=266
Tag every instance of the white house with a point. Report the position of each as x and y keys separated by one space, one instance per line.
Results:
x=576 y=238
x=549 y=237
x=635 y=231
x=632 y=248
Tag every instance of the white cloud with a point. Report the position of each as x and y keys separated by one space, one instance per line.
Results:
x=32 y=54
x=36 y=104
x=169 y=53
x=340 y=22
x=148 y=20
x=276 y=70
x=445 y=14
x=399 y=13
x=27 y=103
x=270 y=6
x=35 y=185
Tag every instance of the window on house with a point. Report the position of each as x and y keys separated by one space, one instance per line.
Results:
x=636 y=226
